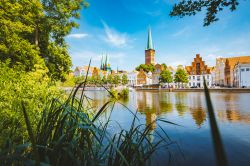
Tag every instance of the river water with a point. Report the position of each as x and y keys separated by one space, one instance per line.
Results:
x=188 y=109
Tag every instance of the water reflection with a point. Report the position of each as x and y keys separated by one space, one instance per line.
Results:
x=199 y=116
x=189 y=110
x=153 y=104
x=181 y=103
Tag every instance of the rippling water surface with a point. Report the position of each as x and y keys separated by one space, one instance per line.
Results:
x=189 y=110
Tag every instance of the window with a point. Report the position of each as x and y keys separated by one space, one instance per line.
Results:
x=198 y=70
x=190 y=77
x=207 y=77
x=193 y=84
x=247 y=69
x=193 y=77
x=242 y=70
x=198 y=78
x=189 y=84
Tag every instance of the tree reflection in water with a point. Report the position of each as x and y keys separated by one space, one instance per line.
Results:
x=181 y=103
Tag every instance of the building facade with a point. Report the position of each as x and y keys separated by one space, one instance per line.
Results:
x=229 y=68
x=219 y=71
x=242 y=75
x=132 y=78
x=199 y=72
x=149 y=52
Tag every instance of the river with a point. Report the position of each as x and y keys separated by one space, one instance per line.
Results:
x=188 y=109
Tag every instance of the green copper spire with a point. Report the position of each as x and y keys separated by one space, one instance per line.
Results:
x=150 y=42
x=102 y=63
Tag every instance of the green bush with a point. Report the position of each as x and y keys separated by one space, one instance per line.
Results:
x=34 y=89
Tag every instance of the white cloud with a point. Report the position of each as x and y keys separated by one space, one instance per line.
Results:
x=181 y=32
x=77 y=35
x=114 y=38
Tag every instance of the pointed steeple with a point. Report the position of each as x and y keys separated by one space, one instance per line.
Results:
x=102 y=63
x=105 y=63
x=150 y=42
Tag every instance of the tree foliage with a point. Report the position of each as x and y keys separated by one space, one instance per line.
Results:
x=146 y=68
x=33 y=32
x=34 y=89
x=166 y=77
x=190 y=7
x=117 y=80
x=124 y=79
x=181 y=76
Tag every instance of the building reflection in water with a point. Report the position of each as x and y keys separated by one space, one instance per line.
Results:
x=227 y=106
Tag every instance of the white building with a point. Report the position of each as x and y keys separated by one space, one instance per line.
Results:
x=198 y=80
x=242 y=75
x=199 y=72
x=132 y=78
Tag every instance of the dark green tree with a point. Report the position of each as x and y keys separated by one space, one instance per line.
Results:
x=181 y=76
x=166 y=77
x=32 y=32
x=212 y=7
x=124 y=79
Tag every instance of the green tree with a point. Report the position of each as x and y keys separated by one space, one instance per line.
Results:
x=166 y=77
x=189 y=8
x=117 y=80
x=146 y=68
x=104 y=80
x=33 y=32
x=124 y=79
x=181 y=76
x=164 y=66
x=110 y=79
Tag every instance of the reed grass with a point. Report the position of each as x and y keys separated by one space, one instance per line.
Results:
x=216 y=137
x=67 y=134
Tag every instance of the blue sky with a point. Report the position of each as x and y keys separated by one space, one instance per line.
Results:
x=119 y=28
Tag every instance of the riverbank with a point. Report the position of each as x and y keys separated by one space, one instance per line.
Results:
x=233 y=90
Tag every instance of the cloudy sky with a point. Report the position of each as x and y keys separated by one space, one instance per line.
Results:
x=119 y=28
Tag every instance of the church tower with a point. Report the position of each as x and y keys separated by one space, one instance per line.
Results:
x=149 y=52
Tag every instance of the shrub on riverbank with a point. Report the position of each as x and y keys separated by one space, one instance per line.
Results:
x=34 y=89
x=119 y=94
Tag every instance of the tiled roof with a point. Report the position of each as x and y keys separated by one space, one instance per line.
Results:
x=241 y=59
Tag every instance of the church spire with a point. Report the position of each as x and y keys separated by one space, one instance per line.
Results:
x=150 y=42
x=102 y=63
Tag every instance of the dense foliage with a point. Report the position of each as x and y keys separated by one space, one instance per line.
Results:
x=146 y=68
x=32 y=32
x=96 y=80
x=34 y=89
x=181 y=76
x=190 y=7
x=166 y=76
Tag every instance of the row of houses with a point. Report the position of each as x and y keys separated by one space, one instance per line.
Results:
x=228 y=72
x=233 y=71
